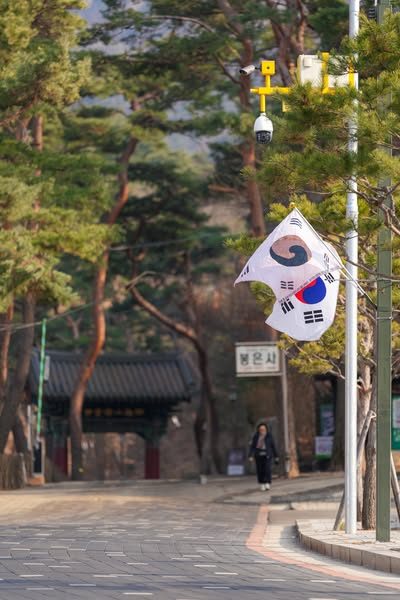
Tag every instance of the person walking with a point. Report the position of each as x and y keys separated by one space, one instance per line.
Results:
x=263 y=450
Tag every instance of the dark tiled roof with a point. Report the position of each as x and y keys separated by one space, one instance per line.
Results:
x=150 y=378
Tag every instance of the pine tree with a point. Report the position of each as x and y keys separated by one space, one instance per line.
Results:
x=187 y=58
x=175 y=57
x=35 y=56
x=199 y=47
x=170 y=285
x=123 y=115
x=49 y=202
x=311 y=165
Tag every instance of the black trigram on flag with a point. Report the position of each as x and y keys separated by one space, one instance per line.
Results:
x=296 y=221
x=245 y=271
x=286 y=306
x=287 y=285
x=326 y=259
x=329 y=277
x=313 y=316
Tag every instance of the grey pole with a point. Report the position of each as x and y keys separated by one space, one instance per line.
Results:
x=384 y=354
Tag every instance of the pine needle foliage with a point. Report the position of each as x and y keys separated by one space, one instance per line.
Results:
x=36 y=63
x=51 y=199
x=309 y=164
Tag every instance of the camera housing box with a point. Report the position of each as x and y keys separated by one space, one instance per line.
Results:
x=310 y=70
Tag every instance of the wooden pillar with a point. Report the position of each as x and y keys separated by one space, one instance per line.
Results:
x=152 y=464
x=61 y=456
x=57 y=448
x=152 y=434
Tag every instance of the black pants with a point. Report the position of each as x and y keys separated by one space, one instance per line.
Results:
x=263 y=465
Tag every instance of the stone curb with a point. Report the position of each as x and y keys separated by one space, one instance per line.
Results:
x=314 y=505
x=386 y=561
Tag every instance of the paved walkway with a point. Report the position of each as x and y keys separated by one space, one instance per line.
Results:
x=174 y=541
x=358 y=549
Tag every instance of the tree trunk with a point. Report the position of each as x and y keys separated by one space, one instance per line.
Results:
x=99 y=322
x=248 y=151
x=212 y=432
x=252 y=190
x=294 y=463
x=15 y=393
x=363 y=406
x=337 y=460
x=360 y=485
x=369 y=500
x=289 y=35
x=74 y=325
x=20 y=439
x=369 y=493
x=362 y=410
x=248 y=147
x=210 y=435
x=199 y=428
x=37 y=132
x=5 y=338
x=86 y=371
x=21 y=442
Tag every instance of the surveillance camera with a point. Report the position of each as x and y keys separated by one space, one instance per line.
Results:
x=263 y=128
x=247 y=70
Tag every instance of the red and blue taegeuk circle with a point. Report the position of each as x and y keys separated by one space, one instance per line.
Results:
x=312 y=293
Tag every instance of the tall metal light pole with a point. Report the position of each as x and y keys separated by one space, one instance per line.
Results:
x=351 y=317
x=384 y=355
x=351 y=353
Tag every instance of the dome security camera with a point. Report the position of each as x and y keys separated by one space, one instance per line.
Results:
x=263 y=128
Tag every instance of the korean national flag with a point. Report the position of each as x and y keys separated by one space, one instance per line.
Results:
x=307 y=314
x=291 y=256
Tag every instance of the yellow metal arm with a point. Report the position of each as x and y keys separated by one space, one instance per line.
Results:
x=267 y=69
x=268 y=91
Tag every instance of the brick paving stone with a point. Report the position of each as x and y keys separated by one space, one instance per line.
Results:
x=165 y=542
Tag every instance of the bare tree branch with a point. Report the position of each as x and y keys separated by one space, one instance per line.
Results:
x=183 y=19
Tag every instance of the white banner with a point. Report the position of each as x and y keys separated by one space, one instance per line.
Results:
x=303 y=272
x=309 y=313
x=291 y=257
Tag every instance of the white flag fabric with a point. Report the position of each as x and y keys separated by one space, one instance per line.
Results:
x=290 y=257
x=303 y=272
x=306 y=315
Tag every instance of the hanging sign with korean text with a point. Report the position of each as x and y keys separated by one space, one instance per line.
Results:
x=257 y=359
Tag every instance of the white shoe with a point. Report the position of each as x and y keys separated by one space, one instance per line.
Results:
x=267 y=486
x=263 y=488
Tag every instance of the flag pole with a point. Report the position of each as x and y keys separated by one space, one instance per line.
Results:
x=351 y=316
x=285 y=413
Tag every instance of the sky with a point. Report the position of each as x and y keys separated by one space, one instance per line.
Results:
x=92 y=12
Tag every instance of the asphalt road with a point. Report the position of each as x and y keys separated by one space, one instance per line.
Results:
x=165 y=547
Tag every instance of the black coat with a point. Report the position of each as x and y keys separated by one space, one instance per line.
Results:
x=269 y=445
